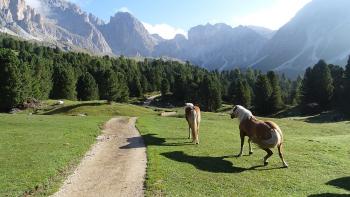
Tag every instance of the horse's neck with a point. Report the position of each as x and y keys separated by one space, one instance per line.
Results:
x=252 y=118
x=245 y=117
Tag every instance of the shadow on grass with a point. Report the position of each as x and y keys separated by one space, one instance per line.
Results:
x=326 y=117
x=342 y=183
x=260 y=168
x=71 y=107
x=152 y=140
x=206 y=163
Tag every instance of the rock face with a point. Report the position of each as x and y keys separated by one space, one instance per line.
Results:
x=319 y=31
x=70 y=24
x=216 y=46
x=65 y=24
x=127 y=36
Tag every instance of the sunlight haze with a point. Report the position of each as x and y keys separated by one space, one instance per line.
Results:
x=168 y=18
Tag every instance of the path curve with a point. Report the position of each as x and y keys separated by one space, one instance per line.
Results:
x=115 y=166
x=149 y=100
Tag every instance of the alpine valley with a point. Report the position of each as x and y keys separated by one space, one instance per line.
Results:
x=320 y=30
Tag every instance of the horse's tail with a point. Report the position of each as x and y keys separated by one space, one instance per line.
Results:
x=276 y=135
x=198 y=111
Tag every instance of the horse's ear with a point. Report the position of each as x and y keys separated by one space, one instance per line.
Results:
x=234 y=108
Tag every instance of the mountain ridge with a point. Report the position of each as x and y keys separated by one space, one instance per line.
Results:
x=311 y=35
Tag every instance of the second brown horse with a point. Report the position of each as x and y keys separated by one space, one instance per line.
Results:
x=266 y=134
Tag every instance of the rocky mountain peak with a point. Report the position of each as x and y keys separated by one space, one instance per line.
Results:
x=133 y=39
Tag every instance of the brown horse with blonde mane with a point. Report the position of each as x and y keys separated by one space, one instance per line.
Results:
x=193 y=117
x=266 y=134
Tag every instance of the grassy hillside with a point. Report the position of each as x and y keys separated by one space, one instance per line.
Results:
x=37 y=151
x=318 y=155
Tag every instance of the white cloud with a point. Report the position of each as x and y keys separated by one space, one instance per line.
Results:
x=273 y=17
x=39 y=7
x=124 y=9
x=164 y=30
x=34 y=4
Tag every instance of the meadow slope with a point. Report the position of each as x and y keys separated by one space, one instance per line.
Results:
x=318 y=155
x=38 y=151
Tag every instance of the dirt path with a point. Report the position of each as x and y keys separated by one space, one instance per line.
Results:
x=115 y=166
x=149 y=100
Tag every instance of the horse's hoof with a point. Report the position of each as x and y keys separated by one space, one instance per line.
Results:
x=250 y=153
x=239 y=155
x=285 y=165
x=266 y=163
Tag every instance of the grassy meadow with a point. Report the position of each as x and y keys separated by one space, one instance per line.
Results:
x=38 y=149
x=318 y=156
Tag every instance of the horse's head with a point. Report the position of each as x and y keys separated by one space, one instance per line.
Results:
x=233 y=113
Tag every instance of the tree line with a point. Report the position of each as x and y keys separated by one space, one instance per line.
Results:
x=28 y=70
x=327 y=87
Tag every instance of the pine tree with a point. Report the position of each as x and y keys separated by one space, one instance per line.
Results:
x=165 y=87
x=87 y=89
x=26 y=81
x=135 y=87
x=263 y=93
x=210 y=94
x=109 y=86
x=323 y=84
x=337 y=74
x=123 y=89
x=41 y=79
x=63 y=83
x=144 y=84
x=346 y=95
x=317 y=85
x=180 y=88
x=307 y=88
x=242 y=94
x=10 y=80
x=296 y=91
x=276 y=102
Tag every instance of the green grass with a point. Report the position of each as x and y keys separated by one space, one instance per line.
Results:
x=38 y=151
x=318 y=155
x=96 y=108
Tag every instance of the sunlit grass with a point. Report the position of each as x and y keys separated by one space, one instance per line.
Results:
x=316 y=153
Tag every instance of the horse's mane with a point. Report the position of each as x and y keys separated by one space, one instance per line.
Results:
x=189 y=105
x=242 y=113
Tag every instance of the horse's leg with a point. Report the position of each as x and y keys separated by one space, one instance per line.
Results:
x=198 y=130
x=189 y=131
x=269 y=153
x=250 y=146
x=242 y=143
x=280 y=148
x=194 y=132
x=198 y=127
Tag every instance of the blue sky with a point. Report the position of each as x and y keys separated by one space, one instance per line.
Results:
x=168 y=17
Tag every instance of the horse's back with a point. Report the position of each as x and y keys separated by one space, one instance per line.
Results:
x=273 y=125
x=265 y=134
